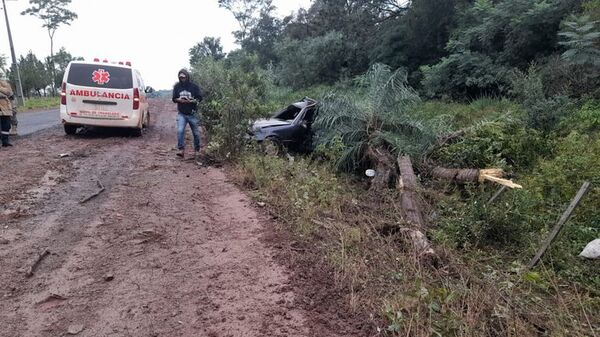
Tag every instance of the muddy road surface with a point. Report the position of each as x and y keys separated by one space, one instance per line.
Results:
x=118 y=237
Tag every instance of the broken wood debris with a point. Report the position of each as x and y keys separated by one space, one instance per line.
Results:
x=84 y=200
x=495 y=175
x=473 y=176
x=37 y=261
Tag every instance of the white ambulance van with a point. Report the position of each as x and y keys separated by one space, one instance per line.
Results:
x=105 y=95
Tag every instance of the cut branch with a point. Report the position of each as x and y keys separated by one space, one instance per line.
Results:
x=37 y=261
x=95 y=194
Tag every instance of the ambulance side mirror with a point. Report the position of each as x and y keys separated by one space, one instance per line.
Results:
x=149 y=90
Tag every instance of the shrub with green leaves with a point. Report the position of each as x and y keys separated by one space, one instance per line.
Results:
x=542 y=113
x=235 y=93
x=503 y=144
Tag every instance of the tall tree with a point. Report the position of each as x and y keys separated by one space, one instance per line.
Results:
x=53 y=13
x=209 y=47
x=247 y=13
x=262 y=37
x=61 y=60
x=34 y=77
x=418 y=37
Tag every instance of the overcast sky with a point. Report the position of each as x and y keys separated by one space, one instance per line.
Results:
x=154 y=35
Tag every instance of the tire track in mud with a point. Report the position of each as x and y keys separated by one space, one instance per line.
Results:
x=168 y=249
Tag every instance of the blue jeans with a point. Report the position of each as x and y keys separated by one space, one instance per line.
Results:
x=182 y=120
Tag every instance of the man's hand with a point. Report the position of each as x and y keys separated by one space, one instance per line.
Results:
x=185 y=100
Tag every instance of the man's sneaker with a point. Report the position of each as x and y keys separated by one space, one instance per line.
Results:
x=181 y=154
x=198 y=158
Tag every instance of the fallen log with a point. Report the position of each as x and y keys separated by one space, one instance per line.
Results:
x=464 y=176
x=411 y=210
x=408 y=184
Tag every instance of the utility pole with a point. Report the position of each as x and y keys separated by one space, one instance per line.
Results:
x=15 y=66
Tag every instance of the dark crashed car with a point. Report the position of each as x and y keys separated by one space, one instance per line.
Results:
x=288 y=129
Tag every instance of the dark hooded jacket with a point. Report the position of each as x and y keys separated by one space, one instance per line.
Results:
x=189 y=90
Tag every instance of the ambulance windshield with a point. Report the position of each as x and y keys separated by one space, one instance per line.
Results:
x=100 y=76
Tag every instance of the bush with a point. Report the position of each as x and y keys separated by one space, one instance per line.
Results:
x=465 y=75
x=542 y=113
x=235 y=93
x=584 y=120
x=504 y=144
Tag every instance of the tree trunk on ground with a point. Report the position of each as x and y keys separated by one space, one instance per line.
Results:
x=409 y=186
x=412 y=211
x=456 y=175
x=384 y=168
x=465 y=176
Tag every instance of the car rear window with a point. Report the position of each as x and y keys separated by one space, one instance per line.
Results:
x=100 y=76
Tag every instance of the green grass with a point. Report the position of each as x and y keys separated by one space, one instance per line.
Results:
x=474 y=292
x=460 y=115
x=34 y=103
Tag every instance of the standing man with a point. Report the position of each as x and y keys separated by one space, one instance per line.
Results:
x=6 y=95
x=187 y=95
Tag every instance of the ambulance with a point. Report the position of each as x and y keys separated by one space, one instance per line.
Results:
x=103 y=94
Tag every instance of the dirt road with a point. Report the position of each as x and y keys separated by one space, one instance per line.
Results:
x=167 y=249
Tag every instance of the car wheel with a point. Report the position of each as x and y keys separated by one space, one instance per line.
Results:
x=272 y=146
x=70 y=129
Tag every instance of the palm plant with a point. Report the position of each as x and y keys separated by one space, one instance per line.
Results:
x=376 y=123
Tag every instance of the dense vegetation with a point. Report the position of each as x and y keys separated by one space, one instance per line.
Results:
x=517 y=84
x=517 y=80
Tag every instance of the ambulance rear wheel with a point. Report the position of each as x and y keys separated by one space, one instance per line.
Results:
x=137 y=132
x=147 y=120
x=70 y=129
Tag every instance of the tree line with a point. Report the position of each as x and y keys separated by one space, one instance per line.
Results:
x=39 y=76
x=456 y=49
